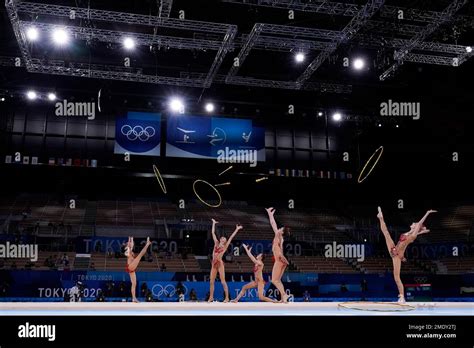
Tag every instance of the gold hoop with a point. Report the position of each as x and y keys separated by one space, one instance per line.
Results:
x=159 y=178
x=210 y=185
x=401 y=307
x=368 y=161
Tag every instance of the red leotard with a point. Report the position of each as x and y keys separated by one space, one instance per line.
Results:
x=256 y=269
x=394 y=251
x=215 y=261
x=279 y=245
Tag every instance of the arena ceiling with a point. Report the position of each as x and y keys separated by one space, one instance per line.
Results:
x=191 y=47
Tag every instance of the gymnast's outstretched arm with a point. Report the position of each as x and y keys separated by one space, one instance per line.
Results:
x=271 y=212
x=213 y=230
x=420 y=223
x=237 y=229
x=249 y=253
x=423 y=231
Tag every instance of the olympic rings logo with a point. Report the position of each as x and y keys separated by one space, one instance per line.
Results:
x=420 y=280
x=138 y=132
x=168 y=290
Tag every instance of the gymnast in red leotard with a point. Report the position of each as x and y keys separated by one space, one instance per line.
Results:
x=220 y=247
x=132 y=263
x=280 y=261
x=397 y=251
x=259 y=282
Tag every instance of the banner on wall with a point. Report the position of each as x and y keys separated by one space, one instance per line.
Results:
x=139 y=133
x=53 y=285
x=291 y=248
x=116 y=244
x=215 y=138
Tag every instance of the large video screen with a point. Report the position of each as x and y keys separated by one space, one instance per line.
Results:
x=214 y=138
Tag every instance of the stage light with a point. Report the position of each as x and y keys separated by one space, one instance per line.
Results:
x=358 y=64
x=337 y=116
x=299 y=57
x=320 y=113
x=468 y=49
x=187 y=236
x=2 y=99
x=32 y=34
x=176 y=105
x=380 y=125
x=60 y=37
x=129 y=43
x=210 y=107
x=31 y=95
x=51 y=96
x=396 y=126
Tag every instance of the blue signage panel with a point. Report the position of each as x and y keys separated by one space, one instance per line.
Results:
x=113 y=244
x=139 y=133
x=211 y=138
x=27 y=285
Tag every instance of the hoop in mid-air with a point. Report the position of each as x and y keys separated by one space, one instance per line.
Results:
x=159 y=178
x=377 y=306
x=359 y=180
x=203 y=201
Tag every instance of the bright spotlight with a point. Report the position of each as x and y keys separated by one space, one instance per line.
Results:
x=468 y=49
x=51 y=96
x=60 y=37
x=2 y=99
x=32 y=34
x=396 y=126
x=300 y=57
x=176 y=105
x=31 y=95
x=358 y=64
x=380 y=125
x=129 y=43
x=210 y=107
x=337 y=116
x=320 y=113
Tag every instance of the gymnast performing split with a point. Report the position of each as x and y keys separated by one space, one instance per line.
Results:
x=132 y=263
x=280 y=261
x=220 y=247
x=397 y=251
x=259 y=282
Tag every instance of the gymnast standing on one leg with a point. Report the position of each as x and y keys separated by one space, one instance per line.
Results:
x=397 y=251
x=220 y=247
x=132 y=263
x=259 y=282
x=280 y=260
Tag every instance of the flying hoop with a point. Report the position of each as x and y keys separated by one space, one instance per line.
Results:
x=159 y=178
x=203 y=201
x=368 y=161
x=377 y=306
